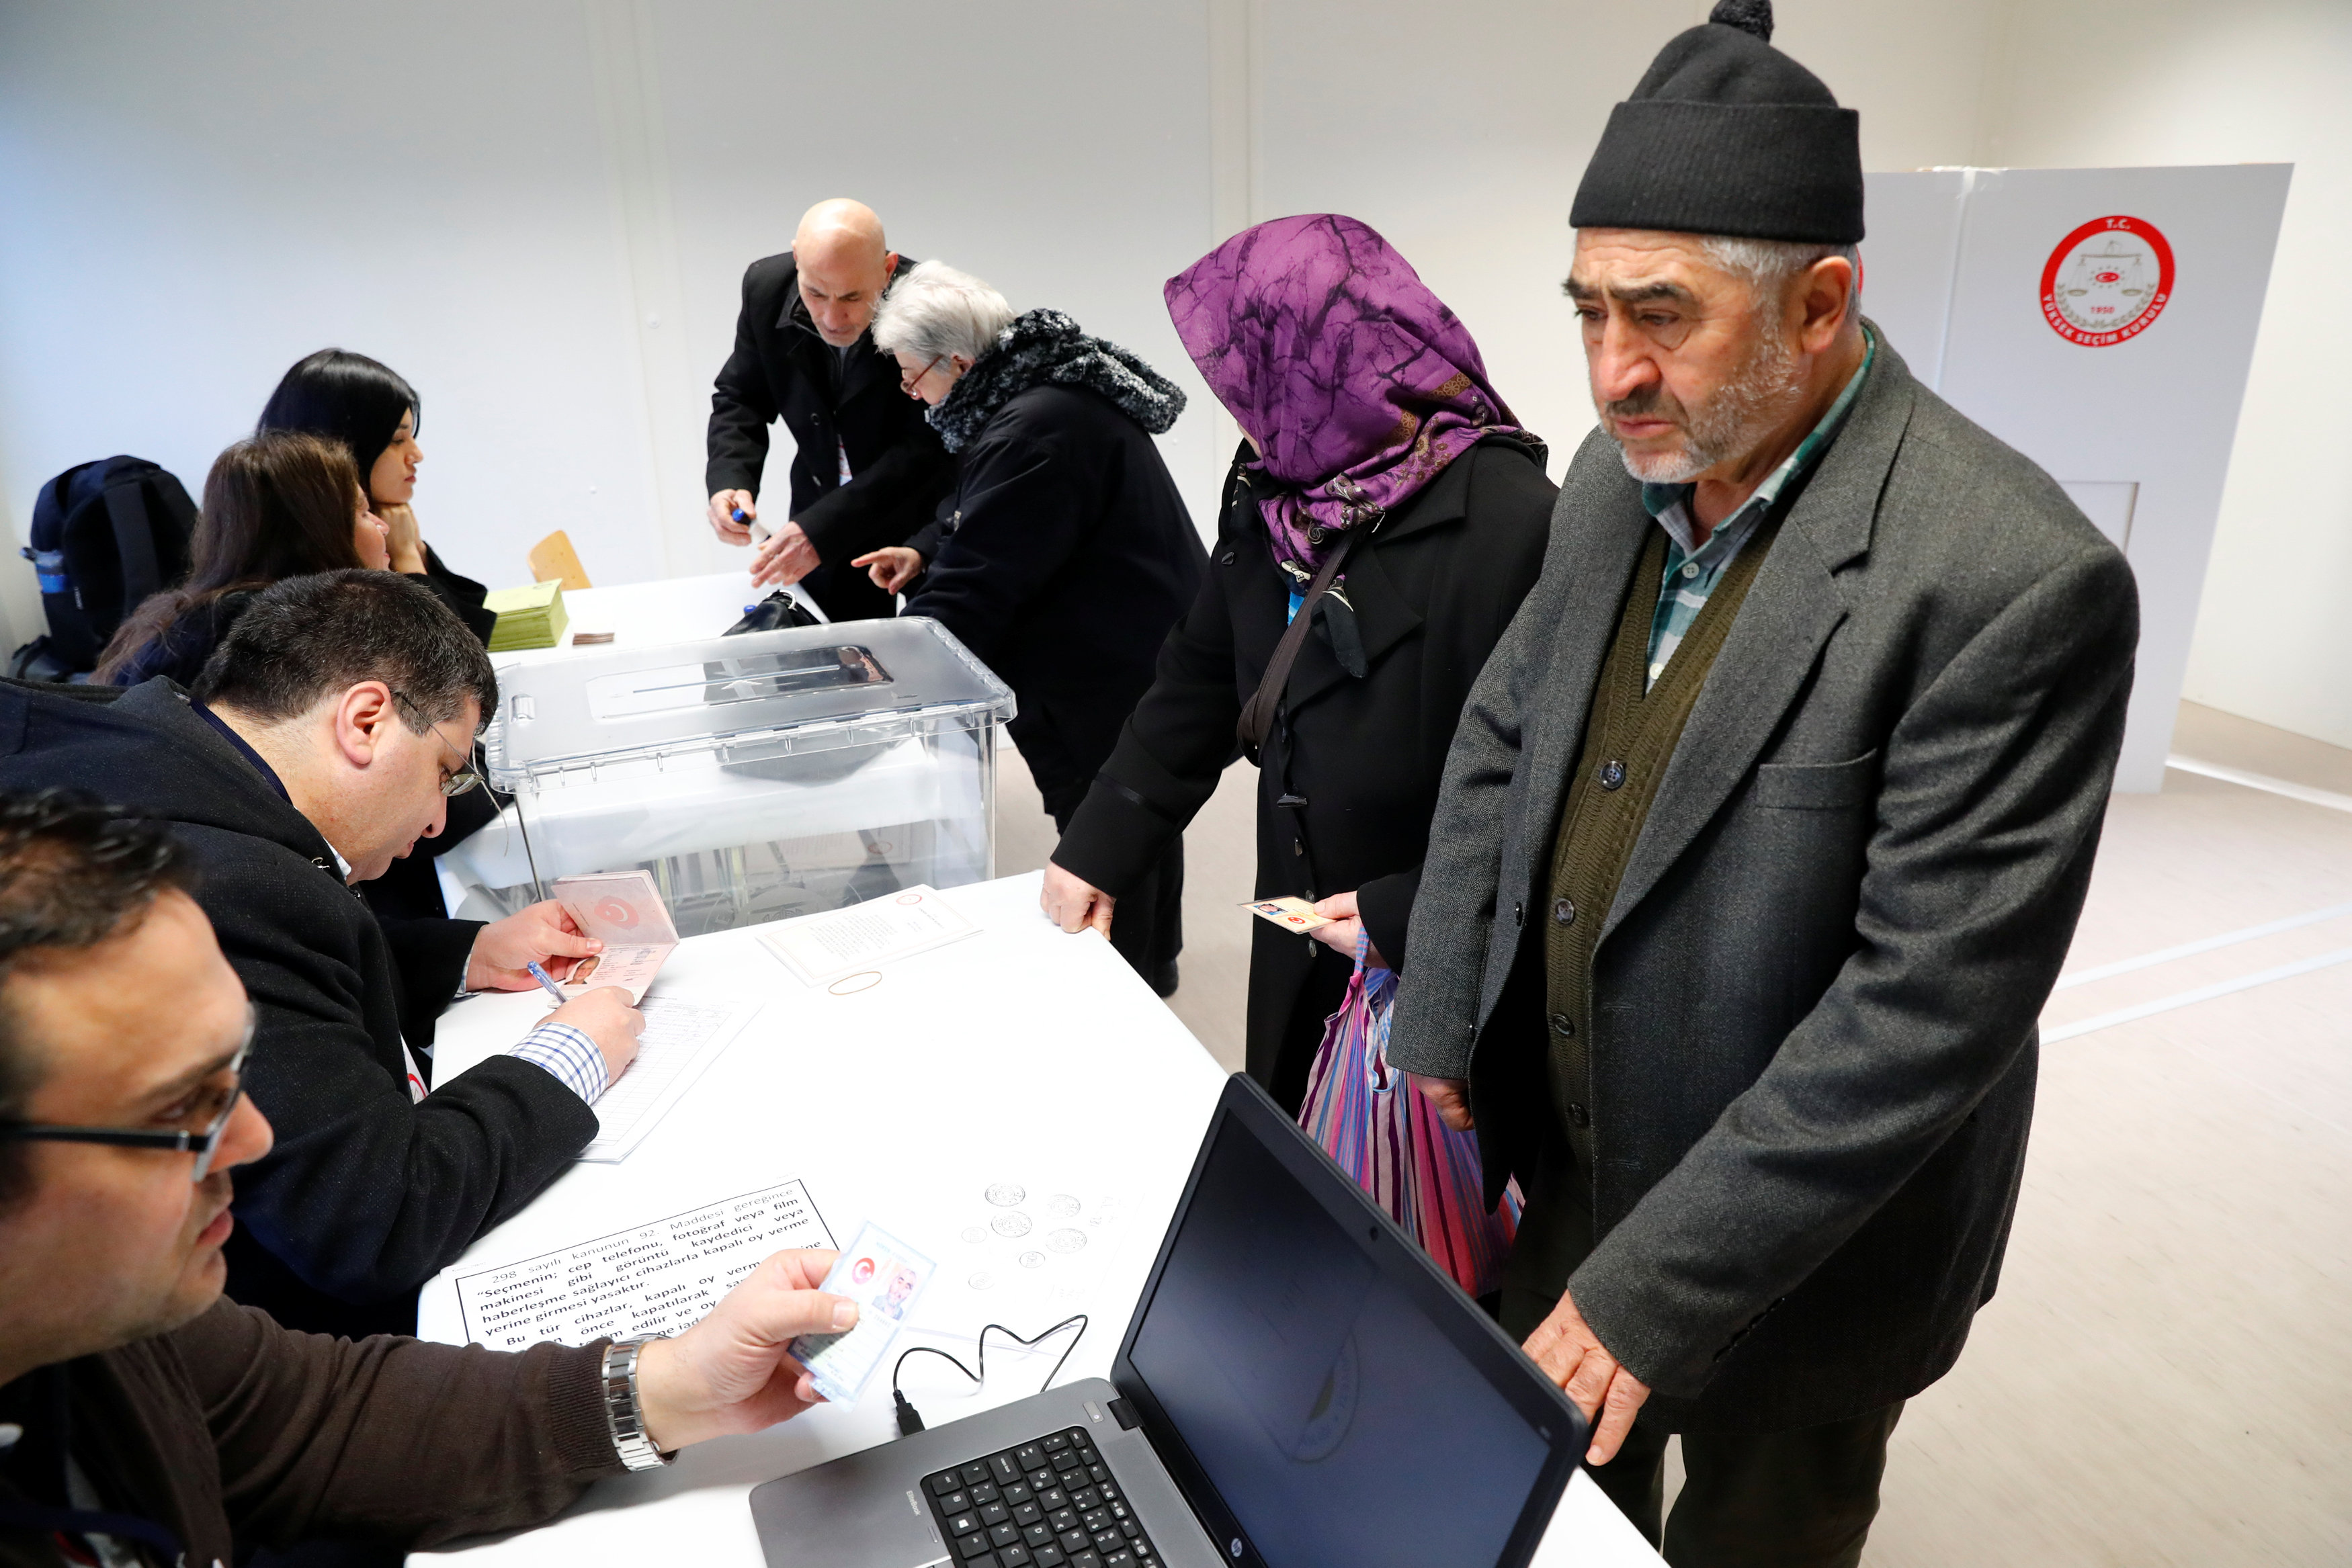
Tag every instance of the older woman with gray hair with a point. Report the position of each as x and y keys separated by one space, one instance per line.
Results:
x=1064 y=554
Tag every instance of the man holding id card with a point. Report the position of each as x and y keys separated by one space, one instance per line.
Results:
x=145 y=1417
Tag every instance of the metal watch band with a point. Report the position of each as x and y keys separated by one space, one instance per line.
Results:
x=624 y=1413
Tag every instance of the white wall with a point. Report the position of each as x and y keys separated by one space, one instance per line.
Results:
x=2179 y=81
x=195 y=202
x=540 y=211
x=1461 y=136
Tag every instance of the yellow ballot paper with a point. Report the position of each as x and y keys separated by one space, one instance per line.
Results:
x=1289 y=913
x=531 y=617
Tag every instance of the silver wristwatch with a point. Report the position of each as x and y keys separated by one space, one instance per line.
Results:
x=624 y=1413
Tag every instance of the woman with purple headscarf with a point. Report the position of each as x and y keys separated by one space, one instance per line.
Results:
x=1371 y=429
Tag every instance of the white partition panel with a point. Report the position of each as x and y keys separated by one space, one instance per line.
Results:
x=2100 y=320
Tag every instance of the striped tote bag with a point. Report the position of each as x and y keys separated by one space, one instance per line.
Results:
x=1385 y=1134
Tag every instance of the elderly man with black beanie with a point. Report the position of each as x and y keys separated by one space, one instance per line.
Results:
x=1764 y=834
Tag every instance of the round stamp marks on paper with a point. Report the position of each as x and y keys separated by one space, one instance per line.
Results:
x=1040 y=1240
x=2108 y=281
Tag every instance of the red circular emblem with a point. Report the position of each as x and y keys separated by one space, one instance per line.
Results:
x=2108 y=281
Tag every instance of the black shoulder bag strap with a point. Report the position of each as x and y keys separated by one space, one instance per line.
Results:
x=135 y=542
x=1257 y=714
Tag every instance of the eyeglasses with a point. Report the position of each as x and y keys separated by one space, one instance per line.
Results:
x=909 y=383
x=465 y=776
x=213 y=1105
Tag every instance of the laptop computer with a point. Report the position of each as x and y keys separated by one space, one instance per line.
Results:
x=1299 y=1385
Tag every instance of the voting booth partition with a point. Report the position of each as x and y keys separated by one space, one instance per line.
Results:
x=2102 y=322
x=756 y=777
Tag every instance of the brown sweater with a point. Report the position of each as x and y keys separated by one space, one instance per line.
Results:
x=235 y=1425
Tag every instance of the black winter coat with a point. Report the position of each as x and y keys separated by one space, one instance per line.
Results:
x=178 y=653
x=365 y=1196
x=1066 y=558
x=1432 y=591
x=412 y=888
x=781 y=370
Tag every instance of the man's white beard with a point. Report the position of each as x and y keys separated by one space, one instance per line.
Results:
x=1734 y=421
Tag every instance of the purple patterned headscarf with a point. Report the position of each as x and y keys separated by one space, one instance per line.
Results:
x=1326 y=346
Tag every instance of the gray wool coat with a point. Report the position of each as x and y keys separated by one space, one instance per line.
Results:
x=1813 y=1043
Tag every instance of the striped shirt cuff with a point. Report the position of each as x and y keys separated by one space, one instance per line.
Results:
x=568 y=1054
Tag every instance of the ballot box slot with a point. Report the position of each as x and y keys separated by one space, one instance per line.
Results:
x=828 y=674
x=867 y=732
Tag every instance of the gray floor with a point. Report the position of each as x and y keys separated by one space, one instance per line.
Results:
x=2164 y=1376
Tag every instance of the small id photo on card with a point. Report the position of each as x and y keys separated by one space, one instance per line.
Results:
x=885 y=1278
x=1289 y=913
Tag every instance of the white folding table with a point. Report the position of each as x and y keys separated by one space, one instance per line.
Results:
x=644 y=615
x=1018 y=1054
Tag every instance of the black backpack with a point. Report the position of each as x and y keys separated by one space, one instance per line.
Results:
x=105 y=536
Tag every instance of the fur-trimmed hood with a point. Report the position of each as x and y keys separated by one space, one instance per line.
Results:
x=1043 y=347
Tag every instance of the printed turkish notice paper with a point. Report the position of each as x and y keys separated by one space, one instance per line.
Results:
x=658 y=1279
x=820 y=949
x=681 y=1037
x=623 y=909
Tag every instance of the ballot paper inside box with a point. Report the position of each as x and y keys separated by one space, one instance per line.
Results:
x=755 y=777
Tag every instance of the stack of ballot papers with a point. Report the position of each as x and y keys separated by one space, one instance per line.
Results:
x=530 y=617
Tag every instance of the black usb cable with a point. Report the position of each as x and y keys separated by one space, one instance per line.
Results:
x=910 y=1421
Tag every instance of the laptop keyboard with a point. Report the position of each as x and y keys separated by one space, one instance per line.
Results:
x=1047 y=1503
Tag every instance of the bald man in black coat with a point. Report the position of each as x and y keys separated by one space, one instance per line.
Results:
x=867 y=471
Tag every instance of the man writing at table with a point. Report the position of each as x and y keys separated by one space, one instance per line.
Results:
x=143 y=1419
x=1763 y=835
x=323 y=739
x=867 y=471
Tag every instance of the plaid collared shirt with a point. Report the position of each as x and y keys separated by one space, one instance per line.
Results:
x=1692 y=572
x=568 y=1054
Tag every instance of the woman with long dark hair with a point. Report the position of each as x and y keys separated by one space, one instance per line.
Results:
x=277 y=504
x=368 y=407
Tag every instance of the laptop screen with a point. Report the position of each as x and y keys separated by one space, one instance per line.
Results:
x=1331 y=1394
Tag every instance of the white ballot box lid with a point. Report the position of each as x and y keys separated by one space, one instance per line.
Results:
x=737 y=700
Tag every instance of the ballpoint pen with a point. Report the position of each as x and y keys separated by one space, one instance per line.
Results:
x=543 y=976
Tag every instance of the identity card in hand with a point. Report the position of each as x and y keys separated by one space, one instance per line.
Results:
x=1290 y=914
x=885 y=1278
x=623 y=909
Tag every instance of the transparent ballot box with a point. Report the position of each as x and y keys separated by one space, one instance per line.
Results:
x=756 y=777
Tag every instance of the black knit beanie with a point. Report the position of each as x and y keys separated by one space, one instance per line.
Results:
x=1726 y=135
